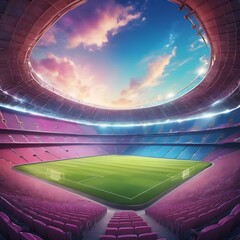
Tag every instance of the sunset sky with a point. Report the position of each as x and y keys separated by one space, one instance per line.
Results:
x=121 y=54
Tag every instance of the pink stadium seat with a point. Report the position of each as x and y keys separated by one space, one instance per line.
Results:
x=4 y=221
x=13 y=231
x=209 y=233
x=29 y=236
x=28 y=220
x=226 y=224
x=40 y=228
x=128 y=237
x=125 y=230
x=236 y=213
x=57 y=224
x=125 y=224
x=107 y=237
x=111 y=231
x=113 y=225
x=75 y=230
x=44 y=219
x=54 y=233
x=148 y=236
x=139 y=223
x=11 y=121
x=142 y=229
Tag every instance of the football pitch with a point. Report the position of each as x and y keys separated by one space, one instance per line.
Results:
x=119 y=180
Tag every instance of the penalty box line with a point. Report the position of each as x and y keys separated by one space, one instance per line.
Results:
x=99 y=189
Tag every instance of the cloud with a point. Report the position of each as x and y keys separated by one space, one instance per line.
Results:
x=171 y=40
x=177 y=64
x=204 y=62
x=94 y=26
x=73 y=80
x=137 y=87
x=197 y=44
x=48 y=38
x=64 y=75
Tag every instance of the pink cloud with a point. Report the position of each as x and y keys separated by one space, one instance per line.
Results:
x=93 y=29
x=64 y=75
x=136 y=88
x=74 y=80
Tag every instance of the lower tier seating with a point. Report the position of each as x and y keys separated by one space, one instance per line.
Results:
x=128 y=225
x=202 y=199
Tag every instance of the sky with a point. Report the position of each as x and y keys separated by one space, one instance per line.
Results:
x=121 y=54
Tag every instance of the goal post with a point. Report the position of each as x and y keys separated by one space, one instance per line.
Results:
x=185 y=173
x=55 y=175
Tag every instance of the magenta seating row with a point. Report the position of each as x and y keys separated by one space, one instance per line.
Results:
x=128 y=225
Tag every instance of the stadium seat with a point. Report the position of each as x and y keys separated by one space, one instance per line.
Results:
x=13 y=231
x=29 y=236
x=54 y=233
x=40 y=228
x=209 y=233
x=128 y=237
x=107 y=237
x=4 y=221
x=125 y=224
x=58 y=224
x=75 y=230
x=111 y=231
x=113 y=225
x=28 y=220
x=142 y=229
x=236 y=213
x=125 y=230
x=148 y=236
x=139 y=223
x=226 y=224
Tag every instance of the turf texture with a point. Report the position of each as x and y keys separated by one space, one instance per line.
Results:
x=122 y=180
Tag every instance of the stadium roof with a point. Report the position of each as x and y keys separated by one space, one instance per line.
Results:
x=23 y=22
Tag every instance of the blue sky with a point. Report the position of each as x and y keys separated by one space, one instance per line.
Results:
x=121 y=54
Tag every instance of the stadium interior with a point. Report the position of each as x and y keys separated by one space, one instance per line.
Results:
x=203 y=125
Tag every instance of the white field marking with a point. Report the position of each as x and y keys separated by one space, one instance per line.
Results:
x=158 y=184
x=84 y=180
x=98 y=188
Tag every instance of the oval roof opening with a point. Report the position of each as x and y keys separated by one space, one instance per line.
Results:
x=122 y=54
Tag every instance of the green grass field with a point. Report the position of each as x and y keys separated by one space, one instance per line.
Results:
x=124 y=180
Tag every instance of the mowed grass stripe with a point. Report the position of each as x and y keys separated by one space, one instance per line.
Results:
x=126 y=180
x=131 y=166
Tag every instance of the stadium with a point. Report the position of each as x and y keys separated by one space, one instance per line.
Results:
x=135 y=159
